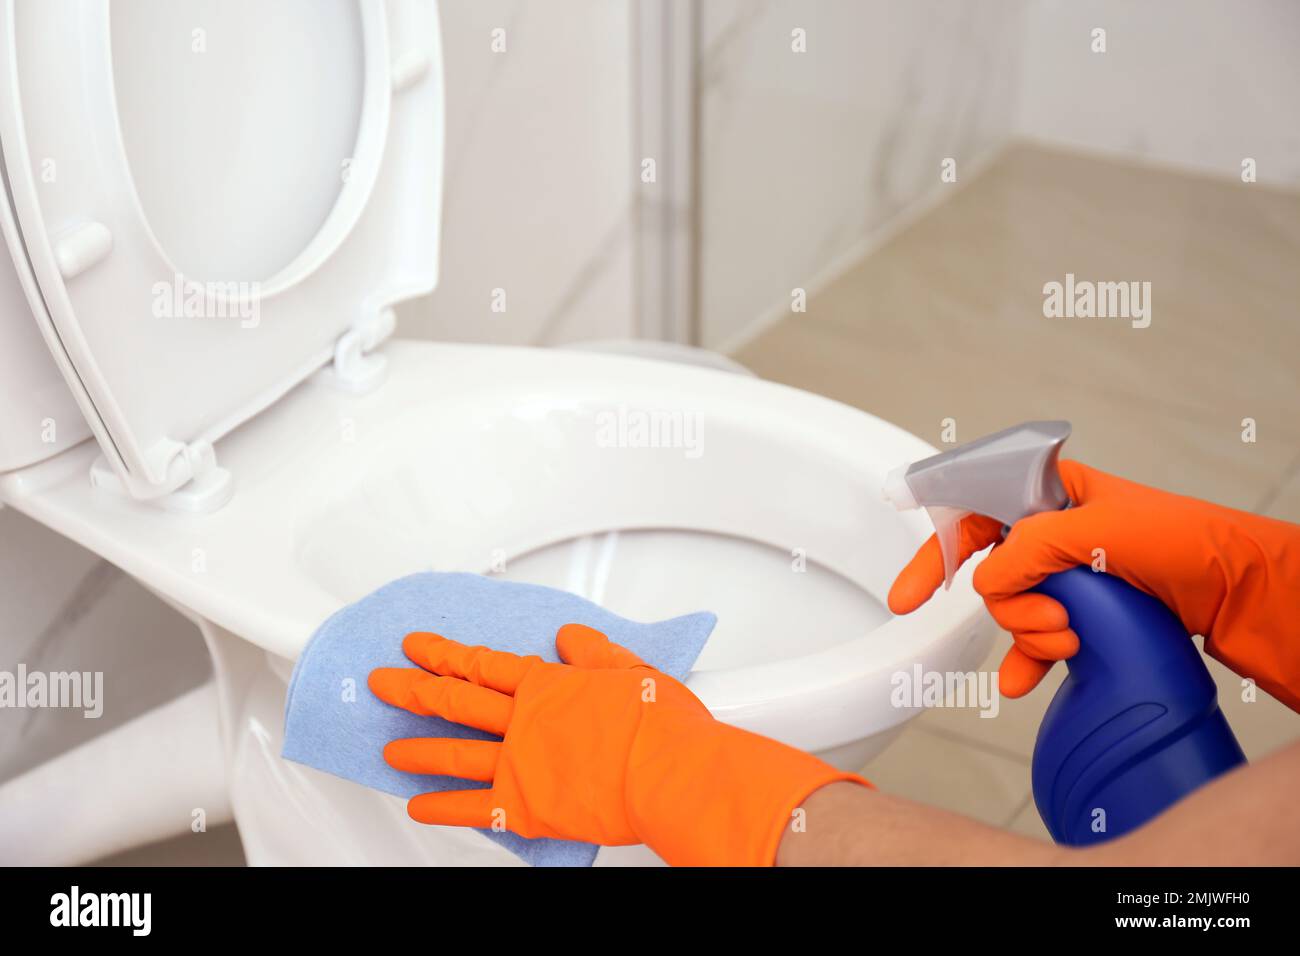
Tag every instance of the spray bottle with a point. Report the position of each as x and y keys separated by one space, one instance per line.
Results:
x=1136 y=725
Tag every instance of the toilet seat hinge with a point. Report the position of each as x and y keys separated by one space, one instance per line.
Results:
x=195 y=483
x=353 y=368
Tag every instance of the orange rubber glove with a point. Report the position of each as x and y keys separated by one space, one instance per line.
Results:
x=1231 y=576
x=602 y=748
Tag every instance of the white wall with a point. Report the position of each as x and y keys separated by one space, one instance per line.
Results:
x=806 y=156
x=1197 y=84
x=540 y=176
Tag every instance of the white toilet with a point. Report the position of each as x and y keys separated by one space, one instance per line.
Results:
x=261 y=464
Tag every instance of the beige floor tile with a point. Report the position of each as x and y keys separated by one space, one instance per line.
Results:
x=956 y=776
x=1028 y=823
x=1150 y=445
x=1013 y=730
x=945 y=321
x=1219 y=256
x=1284 y=502
x=1262 y=725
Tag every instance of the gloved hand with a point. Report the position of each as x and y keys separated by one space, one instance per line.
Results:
x=1231 y=576
x=602 y=748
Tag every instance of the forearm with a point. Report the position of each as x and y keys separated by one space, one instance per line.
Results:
x=848 y=825
x=1248 y=817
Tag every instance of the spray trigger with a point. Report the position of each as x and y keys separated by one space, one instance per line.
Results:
x=947 y=528
x=946 y=520
x=1006 y=475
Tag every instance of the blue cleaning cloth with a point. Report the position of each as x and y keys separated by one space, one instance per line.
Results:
x=333 y=723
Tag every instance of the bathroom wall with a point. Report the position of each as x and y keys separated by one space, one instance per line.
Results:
x=539 y=174
x=806 y=157
x=1196 y=84
x=806 y=160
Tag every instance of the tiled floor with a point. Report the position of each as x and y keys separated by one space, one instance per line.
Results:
x=946 y=321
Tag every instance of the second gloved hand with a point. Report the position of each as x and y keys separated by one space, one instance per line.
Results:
x=602 y=748
x=1231 y=576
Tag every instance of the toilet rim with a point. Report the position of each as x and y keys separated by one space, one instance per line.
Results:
x=828 y=697
x=257 y=587
x=852 y=677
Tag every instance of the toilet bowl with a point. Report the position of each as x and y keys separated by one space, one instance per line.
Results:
x=259 y=478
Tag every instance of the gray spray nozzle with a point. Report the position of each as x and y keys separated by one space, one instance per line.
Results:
x=1007 y=475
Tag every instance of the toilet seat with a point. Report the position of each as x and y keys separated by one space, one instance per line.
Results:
x=157 y=387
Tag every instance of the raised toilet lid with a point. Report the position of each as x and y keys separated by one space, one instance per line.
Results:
x=209 y=196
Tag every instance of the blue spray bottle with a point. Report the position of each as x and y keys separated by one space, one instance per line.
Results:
x=1136 y=725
